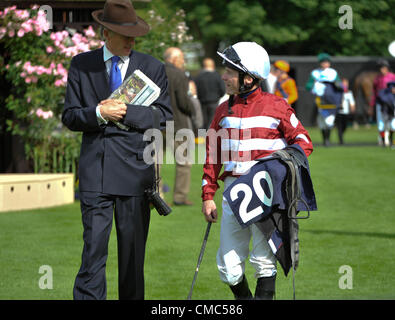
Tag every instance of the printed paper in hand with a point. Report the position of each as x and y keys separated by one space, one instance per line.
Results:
x=138 y=89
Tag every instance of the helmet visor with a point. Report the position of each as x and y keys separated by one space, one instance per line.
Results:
x=232 y=55
x=232 y=60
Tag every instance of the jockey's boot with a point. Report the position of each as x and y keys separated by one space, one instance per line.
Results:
x=265 y=288
x=241 y=290
x=325 y=136
x=387 y=138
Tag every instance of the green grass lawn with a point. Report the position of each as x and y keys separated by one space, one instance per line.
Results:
x=354 y=226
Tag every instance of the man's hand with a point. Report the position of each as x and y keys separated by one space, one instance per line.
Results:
x=210 y=210
x=112 y=109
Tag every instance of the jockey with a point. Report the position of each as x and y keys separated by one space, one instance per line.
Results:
x=379 y=84
x=251 y=125
x=285 y=85
x=324 y=84
x=386 y=100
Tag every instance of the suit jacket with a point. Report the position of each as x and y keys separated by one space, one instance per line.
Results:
x=181 y=103
x=210 y=86
x=111 y=159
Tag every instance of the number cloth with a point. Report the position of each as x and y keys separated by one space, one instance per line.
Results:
x=252 y=196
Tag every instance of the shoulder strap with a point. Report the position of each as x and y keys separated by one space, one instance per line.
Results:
x=293 y=191
x=156 y=125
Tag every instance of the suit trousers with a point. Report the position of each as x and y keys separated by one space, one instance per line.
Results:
x=132 y=216
x=182 y=181
x=208 y=109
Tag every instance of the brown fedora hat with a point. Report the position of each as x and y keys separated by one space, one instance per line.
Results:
x=119 y=16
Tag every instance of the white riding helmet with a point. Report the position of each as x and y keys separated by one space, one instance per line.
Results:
x=248 y=57
x=391 y=48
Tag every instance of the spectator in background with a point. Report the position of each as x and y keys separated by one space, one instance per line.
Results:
x=285 y=86
x=386 y=99
x=344 y=113
x=269 y=84
x=324 y=84
x=183 y=110
x=380 y=83
x=210 y=88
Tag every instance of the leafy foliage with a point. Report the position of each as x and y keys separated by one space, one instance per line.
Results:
x=294 y=27
x=168 y=29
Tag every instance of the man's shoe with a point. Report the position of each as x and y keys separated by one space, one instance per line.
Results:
x=184 y=203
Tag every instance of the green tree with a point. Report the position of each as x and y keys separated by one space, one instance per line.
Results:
x=294 y=27
x=168 y=29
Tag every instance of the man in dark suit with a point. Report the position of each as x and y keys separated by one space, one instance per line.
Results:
x=182 y=109
x=113 y=176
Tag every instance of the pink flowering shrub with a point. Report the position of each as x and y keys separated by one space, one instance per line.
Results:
x=35 y=63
